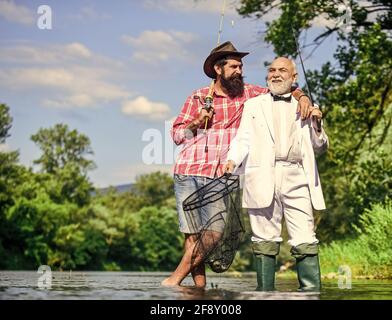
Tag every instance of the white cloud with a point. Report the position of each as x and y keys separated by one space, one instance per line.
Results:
x=53 y=54
x=16 y=13
x=4 y=147
x=79 y=100
x=71 y=74
x=200 y=6
x=144 y=108
x=73 y=87
x=78 y=50
x=89 y=13
x=154 y=47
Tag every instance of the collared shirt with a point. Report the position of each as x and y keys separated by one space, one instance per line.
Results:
x=287 y=146
x=194 y=158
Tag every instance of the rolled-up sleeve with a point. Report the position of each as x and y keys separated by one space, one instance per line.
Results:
x=188 y=113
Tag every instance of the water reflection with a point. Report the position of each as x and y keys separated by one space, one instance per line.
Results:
x=146 y=286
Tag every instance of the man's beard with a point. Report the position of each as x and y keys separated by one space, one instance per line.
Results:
x=234 y=85
x=279 y=88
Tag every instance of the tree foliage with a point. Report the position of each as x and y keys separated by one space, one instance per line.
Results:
x=50 y=217
x=60 y=146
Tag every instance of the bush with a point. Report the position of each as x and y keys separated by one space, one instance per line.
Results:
x=371 y=252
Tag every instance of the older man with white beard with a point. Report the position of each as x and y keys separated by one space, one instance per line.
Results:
x=277 y=146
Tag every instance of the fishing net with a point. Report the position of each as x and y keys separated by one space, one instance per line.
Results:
x=214 y=211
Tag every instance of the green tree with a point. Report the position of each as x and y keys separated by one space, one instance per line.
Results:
x=9 y=171
x=11 y=176
x=154 y=188
x=64 y=164
x=158 y=243
x=60 y=146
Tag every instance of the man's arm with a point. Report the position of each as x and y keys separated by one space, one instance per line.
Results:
x=304 y=103
x=318 y=137
x=189 y=120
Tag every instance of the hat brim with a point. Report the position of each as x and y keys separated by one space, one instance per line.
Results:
x=212 y=58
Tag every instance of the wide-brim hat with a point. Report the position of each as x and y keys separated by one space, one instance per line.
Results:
x=221 y=51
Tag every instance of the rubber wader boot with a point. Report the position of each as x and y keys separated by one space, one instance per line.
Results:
x=308 y=267
x=265 y=253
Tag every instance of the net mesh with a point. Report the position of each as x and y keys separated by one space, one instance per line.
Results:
x=214 y=212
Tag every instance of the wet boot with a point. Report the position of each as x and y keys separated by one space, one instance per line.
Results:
x=308 y=267
x=265 y=255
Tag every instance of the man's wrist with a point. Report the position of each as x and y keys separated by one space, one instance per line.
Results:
x=194 y=124
x=301 y=96
x=297 y=93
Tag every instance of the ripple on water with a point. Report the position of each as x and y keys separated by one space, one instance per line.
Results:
x=146 y=286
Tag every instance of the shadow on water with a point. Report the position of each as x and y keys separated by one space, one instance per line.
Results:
x=146 y=286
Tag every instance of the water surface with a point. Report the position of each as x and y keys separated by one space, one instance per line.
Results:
x=146 y=286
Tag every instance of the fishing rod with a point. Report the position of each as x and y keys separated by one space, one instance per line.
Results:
x=208 y=101
x=209 y=98
x=318 y=121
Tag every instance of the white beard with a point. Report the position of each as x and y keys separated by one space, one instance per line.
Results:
x=280 y=88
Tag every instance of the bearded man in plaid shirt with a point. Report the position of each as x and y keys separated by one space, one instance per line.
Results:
x=204 y=153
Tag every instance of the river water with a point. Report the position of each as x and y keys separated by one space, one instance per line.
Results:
x=146 y=286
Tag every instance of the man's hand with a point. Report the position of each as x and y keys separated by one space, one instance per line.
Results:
x=316 y=112
x=204 y=114
x=304 y=107
x=229 y=166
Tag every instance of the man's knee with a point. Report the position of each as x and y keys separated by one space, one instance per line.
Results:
x=268 y=248
x=304 y=249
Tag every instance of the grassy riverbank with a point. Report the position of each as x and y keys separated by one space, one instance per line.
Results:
x=368 y=255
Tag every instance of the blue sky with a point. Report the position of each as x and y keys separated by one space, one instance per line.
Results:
x=115 y=70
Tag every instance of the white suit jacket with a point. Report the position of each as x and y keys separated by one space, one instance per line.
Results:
x=254 y=147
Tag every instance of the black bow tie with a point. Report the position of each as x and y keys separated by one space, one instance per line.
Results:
x=281 y=98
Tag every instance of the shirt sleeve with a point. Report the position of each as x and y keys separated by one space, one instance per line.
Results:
x=320 y=142
x=260 y=90
x=188 y=113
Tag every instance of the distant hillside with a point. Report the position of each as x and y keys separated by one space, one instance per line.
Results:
x=119 y=189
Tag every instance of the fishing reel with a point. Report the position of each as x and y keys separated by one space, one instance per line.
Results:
x=207 y=103
x=208 y=106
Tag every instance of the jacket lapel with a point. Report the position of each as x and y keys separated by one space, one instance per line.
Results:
x=266 y=106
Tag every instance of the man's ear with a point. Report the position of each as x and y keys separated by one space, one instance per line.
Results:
x=295 y=77
x=218 y=70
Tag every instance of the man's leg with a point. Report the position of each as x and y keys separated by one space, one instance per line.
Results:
x=199 y=271
x=265 y=253
x=308 y=266
x=189 y=226
x=186 y=266
x=196 y=248
x=195 y=224
x=300 y=226
x=266 y=229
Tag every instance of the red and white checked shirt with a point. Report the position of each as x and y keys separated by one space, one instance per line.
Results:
x=193 y=158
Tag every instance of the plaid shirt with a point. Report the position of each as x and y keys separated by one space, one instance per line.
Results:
x=194 y=158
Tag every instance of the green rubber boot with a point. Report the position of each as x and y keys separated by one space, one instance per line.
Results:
x=308 y=267
x=265 y=253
